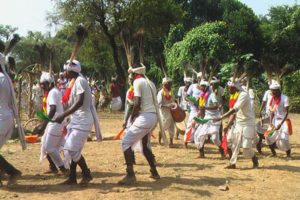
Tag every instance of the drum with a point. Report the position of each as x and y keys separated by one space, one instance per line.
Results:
x=180 y=128
x=177 y=113
x=262 y=128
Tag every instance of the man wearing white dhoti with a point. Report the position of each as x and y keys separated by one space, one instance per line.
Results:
x=264 y=114
x=8 y=112
x=83 y=116
x=243 y=133
x=220 y=96
x=144 y=120
x=279 y=110
x=208 y=104
x=184 y=104
x=165 y=98
x=53 y=139
x=193 y=91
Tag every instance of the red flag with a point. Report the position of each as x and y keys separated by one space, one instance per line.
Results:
x=289 y=124
x=119 y=134
x=188 y=135
x=153 y=136
x=31 y=138
x=224 y=144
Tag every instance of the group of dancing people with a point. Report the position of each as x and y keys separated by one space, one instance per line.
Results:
x=144 y=108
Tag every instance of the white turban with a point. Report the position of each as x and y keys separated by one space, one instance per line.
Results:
x=45 y=77
x=129 y=70
x=274 y=85
x=139 y=70
x=61 y=73
x=203 y=82
x=75 y=66
x=199 y=75
x=270 y=83
x=215 y=80
x=188 y=79
x=166 y=80
x=234 y=83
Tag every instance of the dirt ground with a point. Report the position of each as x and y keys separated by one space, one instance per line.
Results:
x=183 y=176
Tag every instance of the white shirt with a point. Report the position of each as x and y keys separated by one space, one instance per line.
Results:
x=5 y=98
x=141 y=89
x=267 y=98
x=220 y=94
x=182 y=94
x=54 y=99
x=195 y=92
x=245 y=113
x=82 y=118
x=280 y=110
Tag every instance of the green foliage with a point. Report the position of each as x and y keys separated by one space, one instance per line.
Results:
x=207 y=41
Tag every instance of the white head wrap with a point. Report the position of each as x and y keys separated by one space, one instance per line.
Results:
x=61 y=73
x=274 y=85
x=270 y=83
x=113 y=78
x=199 y=75
x=235 y=83
x=203 y=82
x=166 y=80
x=45 y=77
x=140 y=70
x=130 y=70
x=188 y=79
x=215 y=80
x=75 y=66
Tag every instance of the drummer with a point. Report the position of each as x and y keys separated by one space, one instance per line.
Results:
x=165 y=99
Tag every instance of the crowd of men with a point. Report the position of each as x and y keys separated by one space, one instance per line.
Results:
x=144 y=108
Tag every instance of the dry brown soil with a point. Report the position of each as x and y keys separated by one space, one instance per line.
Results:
x=183 y=176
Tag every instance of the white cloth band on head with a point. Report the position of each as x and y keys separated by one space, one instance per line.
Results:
x=203 y=82
x=75 y=66
x=188 y=79
x=234 y=83
x=139 y=70
x=215 y=80
x=272 y=81
x=274 y=85
x=199 y=75
x=45 y=77
x=166 y=80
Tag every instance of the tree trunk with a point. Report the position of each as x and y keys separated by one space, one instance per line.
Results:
x=113 y=44
x=30 y=97
x=19 y=96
